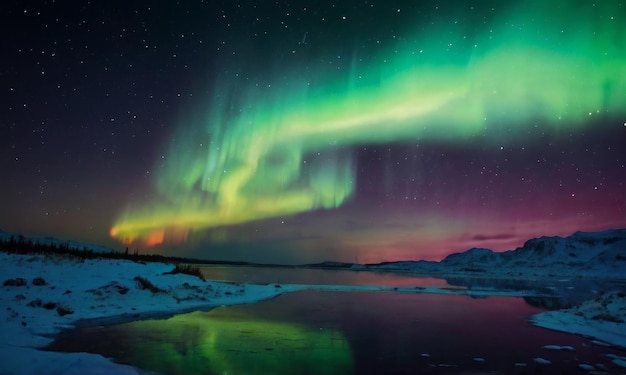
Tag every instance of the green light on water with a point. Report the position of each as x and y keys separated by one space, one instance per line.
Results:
x=226 y=342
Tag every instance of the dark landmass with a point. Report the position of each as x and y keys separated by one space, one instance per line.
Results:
x=583 y=254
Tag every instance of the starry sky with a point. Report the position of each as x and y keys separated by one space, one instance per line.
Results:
x=296 y=131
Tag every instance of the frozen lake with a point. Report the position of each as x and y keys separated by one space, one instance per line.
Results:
x=316 y=332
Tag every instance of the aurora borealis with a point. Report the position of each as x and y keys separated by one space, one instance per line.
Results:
x=363 y=131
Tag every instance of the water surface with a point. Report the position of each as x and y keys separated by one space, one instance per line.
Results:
x=315 y=332
x=315 y=276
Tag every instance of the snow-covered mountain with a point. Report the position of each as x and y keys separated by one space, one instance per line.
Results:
x=597 y=254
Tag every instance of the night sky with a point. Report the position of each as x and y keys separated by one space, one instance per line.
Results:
x=302 y=131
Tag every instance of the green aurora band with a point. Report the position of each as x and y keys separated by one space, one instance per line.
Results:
x=285 y=149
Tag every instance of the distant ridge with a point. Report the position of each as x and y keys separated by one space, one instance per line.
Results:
x=597 y=254
x=582 y=254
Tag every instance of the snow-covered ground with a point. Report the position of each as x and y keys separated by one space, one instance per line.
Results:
x=603 y=318
x=57 y=291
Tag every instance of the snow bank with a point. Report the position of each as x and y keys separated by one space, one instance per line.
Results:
x=43 y=294
x=602 y=318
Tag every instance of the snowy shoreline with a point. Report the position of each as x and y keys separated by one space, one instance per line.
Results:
x=601 y=318
x=45 y=294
